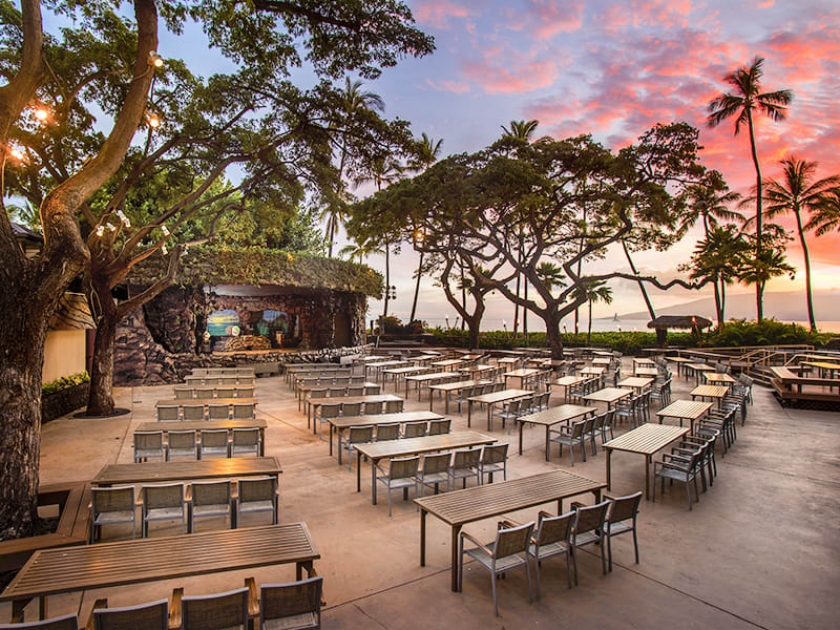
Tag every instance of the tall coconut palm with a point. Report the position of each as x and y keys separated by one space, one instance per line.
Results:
x=797 y=192
x=711 y=201
x=763 y=264
x=747 y=99
x=428 y=151
x=354 y=100
x=826 y=214
x=593 y=291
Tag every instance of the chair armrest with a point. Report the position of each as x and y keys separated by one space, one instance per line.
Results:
x=507 y=524
x=98 y=604
x=577 y=505
x=543 y=514
x=669 y=464
x=474 y=540
x=175 y=609
x=253 y=598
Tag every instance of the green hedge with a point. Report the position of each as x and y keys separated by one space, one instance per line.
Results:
x=64 y=382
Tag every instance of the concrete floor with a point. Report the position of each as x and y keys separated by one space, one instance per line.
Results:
x=760 y=550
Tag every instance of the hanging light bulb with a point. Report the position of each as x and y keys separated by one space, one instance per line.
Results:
x=165 y=230
x=100 y=230
x=152 y=119
x=17 y=154
x=111 y=226
x=41 y=113
x=123 y=218
x=155 y=60
x=164 y=250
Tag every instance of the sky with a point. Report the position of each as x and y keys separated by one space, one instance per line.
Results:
x=613 y=69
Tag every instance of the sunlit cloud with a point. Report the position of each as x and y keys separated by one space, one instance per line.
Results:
x=439 y=13
x=544 y=19
x=456 y=87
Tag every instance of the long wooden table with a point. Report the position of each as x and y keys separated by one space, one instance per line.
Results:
x=314 y=403
x=718 y=392
x=609 y=395
x=459 y=507
x=493 y=398
x=376 y=451
x=567 y=382
x=689 y=410
x=180 y=402
x=645 y=440
x=447 y=388
x=165 y=472
x=68 y=569
x=551 y=416
x=340 y=424
x=429 y=378
x=199 y=425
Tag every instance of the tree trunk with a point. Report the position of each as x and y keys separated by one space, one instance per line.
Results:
x=416 y=289
x=552 y=333
x=589 y=329
x=759 y=212
x=387 y=283
x=642 y=288
x=718 y=302
x=100 y=398
x=812 y=320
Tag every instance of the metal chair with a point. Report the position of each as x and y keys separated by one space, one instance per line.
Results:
x=193 y=412
x=168 y=413
x=677 y=468
x=571 y=436
x=394 y=406
x=110 y=506
x=214 y=442
x=148 y=444
x=508 y=551
x=373 y=408
x=402 y=473
x=227 y=392
x=435 y=471
x=325 y=412
x=151 y=616
x=243 y=392
x=387 y=431
x=357 y=434
x=205 y=393
x=182 y=444
x=414 y=429
x=184 y=393
x=621 y=519
x=65 y=622
x=209 y=499
x=257 y=494
x=215 y=411
x=493 y=459
x=465 y=464
x=552 y=537
x=291 y=605
x=223 y=611
x=245 y=441
x=351 y=409
x=163 y=502
x=243 y=411
x=440 y=427
x=588 y=529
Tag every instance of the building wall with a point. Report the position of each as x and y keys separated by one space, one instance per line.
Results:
x=64 y=354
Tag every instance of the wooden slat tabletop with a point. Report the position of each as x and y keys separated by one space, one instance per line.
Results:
x=714 y=377
x=162 y=472
x=384 y=418
x=144 y=560
x=608 y=394
x=505 y=394
x=646 y=439
x=479 y=502
x=412 y=446
x=555 y=415
x=198 y=425
x=636 y=382
x=712 y=391
x=687 y=409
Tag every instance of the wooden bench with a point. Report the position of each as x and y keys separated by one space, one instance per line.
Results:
x=74 y=520
x=790 y=385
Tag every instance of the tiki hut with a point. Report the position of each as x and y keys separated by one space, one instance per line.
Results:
x=681 y=322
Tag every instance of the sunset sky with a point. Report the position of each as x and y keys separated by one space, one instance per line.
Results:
x=613 y=69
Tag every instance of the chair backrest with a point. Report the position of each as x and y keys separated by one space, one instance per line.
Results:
x=514 y=406
x=251 y=489
x=578 y=428
x=329 y=410
x=551 y=529
x=204 y=392
x=65 y=622
x=148 y=440
x=292 y=599
x=440 y=427
x=246 y=437
x=228 y=381
x=394 y=406
x=436 y=462
x=360 y=433
x=184 y=393
x=215 y=411
x=243 y=411
x=403 y=467
x=351 y=409
x=116 y=499
x=211 y=492
x=163 y=495
x=337 y=392
x=226 y=392
x=211 y=380
x=356 y=390
x=590 y=517
x=168 y=413
x=624 y=508
x=511 y=540
x=371 y=390
x=216 y=612
x=467 y=458
x=494 y=453
x=387 y=431
x=373 y=408
x=243 y=392
x=598 y=422
x=211 y=438
x=154 y=615
x=182 y=441
x=194 y=412
x=414 y=429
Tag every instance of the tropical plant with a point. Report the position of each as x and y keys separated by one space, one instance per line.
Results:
x=797 y=193
x=741 y=104
x=592 y=291
x=826 y=214
x=762 y=264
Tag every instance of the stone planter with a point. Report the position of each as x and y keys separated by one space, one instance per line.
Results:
x=62 y=402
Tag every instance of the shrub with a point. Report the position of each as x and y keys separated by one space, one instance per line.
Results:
x=65 y=382
x=768 y=332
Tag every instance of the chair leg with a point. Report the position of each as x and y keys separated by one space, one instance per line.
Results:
x=495 y=600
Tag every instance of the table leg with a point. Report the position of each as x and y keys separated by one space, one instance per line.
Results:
x=521 y=426
x=332 y=429
x=262 y=443
x=422 y=537
x=469 y=412
x=489 y=417
x=358 y=471
x=648 y=459
x=547 y=441
x=373 y=480
x=456 y=530
x=609 y=454
x=43 y=612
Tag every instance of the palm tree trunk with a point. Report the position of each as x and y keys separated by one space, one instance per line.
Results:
x=416 y=289
x=589 y=328
x=387 y=281
x=516 y=307
x=808 y=293
x=759 y=212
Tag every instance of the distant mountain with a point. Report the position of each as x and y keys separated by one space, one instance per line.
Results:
x=785 y=307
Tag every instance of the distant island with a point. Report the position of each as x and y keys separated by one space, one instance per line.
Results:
x=785 y=307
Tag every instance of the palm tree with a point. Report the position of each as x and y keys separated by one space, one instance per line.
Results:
x=593 y=291
x=826 y=214
x=741 y=104
x=354 y=100
x=797 y=193
x=427 y=154
x=710 y=201
x=767 y=262
x=719 y=258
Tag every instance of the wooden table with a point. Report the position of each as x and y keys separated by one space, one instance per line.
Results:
x=376 y=451
x=567 y=382
x=199 y=425
x=314 y=403
x=551 y=416
x=646 y=371
x=716 y=378
x=459 y=507
x=400 y=372
x=689 y=410
x=697 y=369
x=710 y=391
x=339 y=425
x=645 y=440
x=447 y=389
x=609 y=395
x=636 y=383
x=180 y=402
x=603 y=361
x=430 y=378
x=447 y=364
x=826 y=369
x=491 y=399
x=593 y=370
x=107 y=565
x=515 y=379
x=166 y=472
x=680 y=361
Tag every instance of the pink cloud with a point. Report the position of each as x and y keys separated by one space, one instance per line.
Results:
x=439 y=13
x=456 y=87
x=512 y=77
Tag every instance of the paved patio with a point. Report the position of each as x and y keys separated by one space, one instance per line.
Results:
x=760 y=550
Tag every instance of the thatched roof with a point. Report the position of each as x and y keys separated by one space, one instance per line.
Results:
x=689 y=322
x=73 y=313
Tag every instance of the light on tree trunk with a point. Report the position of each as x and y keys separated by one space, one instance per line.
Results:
x=152 y=119
x=155 y=60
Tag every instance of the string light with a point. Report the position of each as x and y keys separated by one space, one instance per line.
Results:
x=100 y=230
x=111 y=226
x=164 y=250
x=165 y=230
x=152 y=119
x=41 y=113
x=17 y=154
x=155 y=60
x=123 y=218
